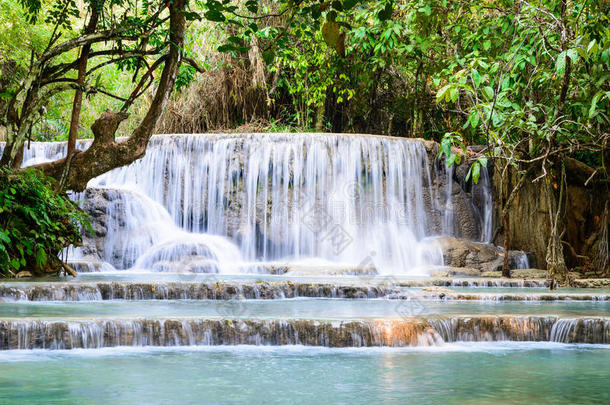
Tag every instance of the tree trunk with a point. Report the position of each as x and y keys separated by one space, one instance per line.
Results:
x=320 y=118
x=82 y=72
x=557 y=269
x=74 y=171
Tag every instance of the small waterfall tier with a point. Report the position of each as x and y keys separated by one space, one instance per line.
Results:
x=264 y=290
x=51 y=334
x=210 y=202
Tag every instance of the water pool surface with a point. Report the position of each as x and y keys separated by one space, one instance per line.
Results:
x=501 y=373
x=306 y=308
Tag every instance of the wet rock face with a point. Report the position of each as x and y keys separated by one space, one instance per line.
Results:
x=466 y=203
x=107 y=218
x=31 y=334
x=454 y=211
x=95 y=202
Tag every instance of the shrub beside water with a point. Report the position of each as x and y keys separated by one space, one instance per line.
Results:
x=36 y=223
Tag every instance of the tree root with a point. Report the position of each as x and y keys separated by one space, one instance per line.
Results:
x=69 y=270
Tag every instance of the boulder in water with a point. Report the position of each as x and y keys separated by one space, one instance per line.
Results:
x=483 y=257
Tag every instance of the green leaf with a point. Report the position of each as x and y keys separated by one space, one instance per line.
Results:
x=506 y=83
x=427 y=10
x=483 y=64
x=252 y=6
x=592 y=47
x=446 y=145
x=573 y=54
x=594 y=104
x=191 y=16
x=476 y=172
x=532 y=60
x=488 y=92
x=476 y=77
x=487 y=45
x=561 y=62
x=582 y=53
x=450 y=159
x=454 y=93
x=214 y=15
x=441 y=93
x=41 y=257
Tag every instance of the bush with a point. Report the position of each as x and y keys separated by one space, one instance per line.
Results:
x=36 y=223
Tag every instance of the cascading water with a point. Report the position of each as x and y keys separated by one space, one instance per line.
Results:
x=448 y=209
x=484 y=206
x=358 y=200
x=483 y=188
x=522 y=261
x=289 y=197
x=141 y=234
x=71 y=334
x=217 y=203
x=40 y=152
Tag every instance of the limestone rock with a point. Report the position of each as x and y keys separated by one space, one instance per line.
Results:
x=329 y=270
x=476 y=256
x=457 y=271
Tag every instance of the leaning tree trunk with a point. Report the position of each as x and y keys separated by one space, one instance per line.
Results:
x=75 y=170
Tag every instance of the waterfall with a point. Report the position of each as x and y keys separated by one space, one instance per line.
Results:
x=589 y=330
x=295 y=196
x=71 y=334
x=141 y=234
x=521 y=261
x=485 y=211
x=449 y=214
x=212 y=290
x=40 y=152
x=347 y=199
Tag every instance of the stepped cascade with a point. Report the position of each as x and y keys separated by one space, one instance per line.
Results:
x=340 y=248
x=304 y=202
